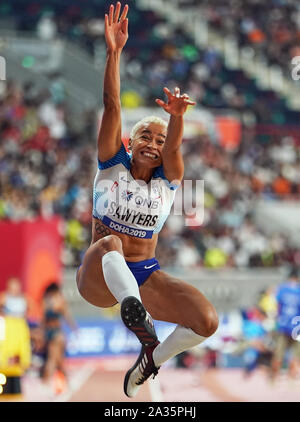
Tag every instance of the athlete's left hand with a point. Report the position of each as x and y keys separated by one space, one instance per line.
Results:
x=177 y=104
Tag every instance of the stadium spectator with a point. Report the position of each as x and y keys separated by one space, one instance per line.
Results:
x=15 y=353
x=55 y=310
x=12 y=300
x=287 y=325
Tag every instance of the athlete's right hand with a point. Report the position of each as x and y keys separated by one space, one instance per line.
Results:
x=116 y=30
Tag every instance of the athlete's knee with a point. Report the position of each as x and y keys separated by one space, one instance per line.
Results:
x=108 y=244
x=208 y=324
x=212 y=321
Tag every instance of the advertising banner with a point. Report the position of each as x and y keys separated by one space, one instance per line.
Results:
x=104 y=338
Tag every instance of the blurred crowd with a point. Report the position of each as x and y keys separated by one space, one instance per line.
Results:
x=164 y=55
x=271 y=29
x=40 y=159
x=263 y=336
x=39 y=347
x=159 y=53
x=233 y=181
x=48 y=168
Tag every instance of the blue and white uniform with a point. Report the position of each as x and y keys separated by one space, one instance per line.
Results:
x=132 y=206
x=127 y=205
x=288 y=299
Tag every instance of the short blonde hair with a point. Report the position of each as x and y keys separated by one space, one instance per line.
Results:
x=144 y=121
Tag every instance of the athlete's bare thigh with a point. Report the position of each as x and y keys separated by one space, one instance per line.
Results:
x=90 y=280
x=170 y=299
x=165 y=297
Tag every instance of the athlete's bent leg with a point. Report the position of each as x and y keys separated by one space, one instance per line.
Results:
x=122 y=284
x=104 y=277
x=114 y=283
x=170 y=299
x=117 y=275
x=180 y=340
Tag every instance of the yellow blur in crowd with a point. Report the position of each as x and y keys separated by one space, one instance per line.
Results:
x=15 y=350
x=15 y=347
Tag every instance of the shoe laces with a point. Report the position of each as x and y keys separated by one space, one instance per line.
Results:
x=148 y=371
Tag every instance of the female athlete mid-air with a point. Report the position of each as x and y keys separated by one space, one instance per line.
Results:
x=132 y=197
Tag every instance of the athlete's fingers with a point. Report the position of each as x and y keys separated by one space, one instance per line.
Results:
x=117 y=12
x=177 y=92
x=161 y=103
x=124 y=27
x=111 y=14
x=190 y=102
x=106 y=20
x=185 y=96
x=168 y=92
x=124 y=13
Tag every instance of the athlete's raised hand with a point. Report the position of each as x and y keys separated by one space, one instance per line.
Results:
x=177 y=104
x=116 y=27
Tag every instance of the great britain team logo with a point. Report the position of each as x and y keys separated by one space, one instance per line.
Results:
x=127 y=195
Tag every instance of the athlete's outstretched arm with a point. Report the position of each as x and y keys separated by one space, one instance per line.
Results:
x=116 y=35
x=171 y=155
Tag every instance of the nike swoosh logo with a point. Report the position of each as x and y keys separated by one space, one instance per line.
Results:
x=150 y=266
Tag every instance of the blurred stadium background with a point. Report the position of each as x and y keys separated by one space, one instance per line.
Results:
x=235 y=59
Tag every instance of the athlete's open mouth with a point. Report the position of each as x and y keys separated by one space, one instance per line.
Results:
x=149 y=155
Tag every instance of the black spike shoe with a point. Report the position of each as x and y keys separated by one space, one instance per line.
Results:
x=138 y=320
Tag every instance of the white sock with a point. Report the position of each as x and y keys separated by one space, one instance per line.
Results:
x=118 y=277
x=178 y=341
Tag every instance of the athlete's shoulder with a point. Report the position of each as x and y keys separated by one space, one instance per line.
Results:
x=160 y=174
x=121 y=157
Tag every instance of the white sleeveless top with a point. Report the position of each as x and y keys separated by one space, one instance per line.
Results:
x=15 y=306
x=127 y=205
